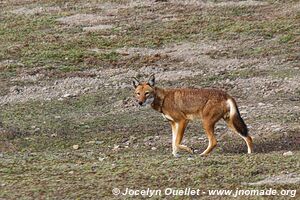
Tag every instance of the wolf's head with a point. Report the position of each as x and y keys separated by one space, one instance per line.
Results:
x=144 y=91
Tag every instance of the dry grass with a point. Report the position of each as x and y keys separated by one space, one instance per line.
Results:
x=63 y=84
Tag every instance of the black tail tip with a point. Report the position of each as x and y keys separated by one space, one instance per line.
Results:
x=240 y=125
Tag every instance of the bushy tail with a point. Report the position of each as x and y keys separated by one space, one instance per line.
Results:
x=235 y=118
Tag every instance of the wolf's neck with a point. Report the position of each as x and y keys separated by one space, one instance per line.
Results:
x=158 y=99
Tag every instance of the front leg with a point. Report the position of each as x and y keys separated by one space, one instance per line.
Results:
x=175 y=127
x=177 y=135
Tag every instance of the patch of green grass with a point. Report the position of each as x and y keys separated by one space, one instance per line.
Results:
x=68 y=68
x=82 y=175
x=244 y=73
x=284 y=73
x=111 y=56
x=286 y=38
x=40 y=40
x=85 y=114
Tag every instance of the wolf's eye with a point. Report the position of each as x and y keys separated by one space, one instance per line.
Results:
x=138 y=94
x=146 y=93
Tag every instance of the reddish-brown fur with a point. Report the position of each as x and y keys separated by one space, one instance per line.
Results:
x=182 y=105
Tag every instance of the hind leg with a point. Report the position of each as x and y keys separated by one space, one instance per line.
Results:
x=210 y=115
x=249 y=143
x=212 y=141
x=247 y=139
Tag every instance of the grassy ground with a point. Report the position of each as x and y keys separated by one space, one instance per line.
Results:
x=65 y=71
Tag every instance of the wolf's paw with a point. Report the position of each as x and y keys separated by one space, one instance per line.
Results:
x=176 y=155
x=192 y=150
x=203 y=154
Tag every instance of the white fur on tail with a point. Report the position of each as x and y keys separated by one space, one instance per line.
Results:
x=232 y=107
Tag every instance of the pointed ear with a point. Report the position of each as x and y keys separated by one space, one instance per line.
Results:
x=151 y=80
x=135 y=82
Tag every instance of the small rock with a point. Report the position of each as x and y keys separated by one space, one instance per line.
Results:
x=94 y=168
x=16 y=90
x=277 y=129
x=99 y=142
x=67 y=95
x=85 y=90
x=76 y=93
x=54 y=135
x=91 y=142
x=243 y=112
x=116 y=147
x=148 y=138
x=71 y=172
x=289 y=153
x=132 y=138
x=75 y=146
x=101 y=159
x=36 y=130
x=153 y=148
x=190 y=158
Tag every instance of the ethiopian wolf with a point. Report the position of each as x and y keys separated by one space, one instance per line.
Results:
x=182 y=105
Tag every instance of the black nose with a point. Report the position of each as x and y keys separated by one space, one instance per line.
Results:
x=140 y=103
